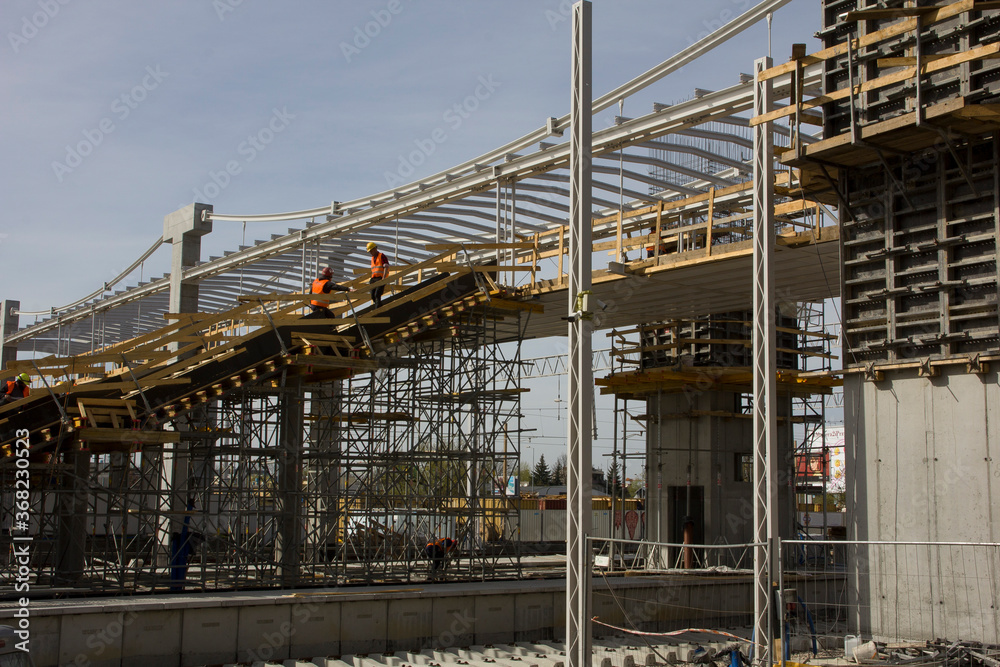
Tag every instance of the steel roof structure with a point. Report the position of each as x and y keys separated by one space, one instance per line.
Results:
x=505 y=195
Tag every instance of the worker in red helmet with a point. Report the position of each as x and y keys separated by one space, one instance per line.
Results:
x=324 y=285
x=437 y=553
x=15 y=389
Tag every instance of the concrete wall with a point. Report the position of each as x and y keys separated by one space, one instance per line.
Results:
x=178 y=630
x=923 y=465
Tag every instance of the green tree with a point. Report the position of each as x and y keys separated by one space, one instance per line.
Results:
x=613 y=479
x=559 y=470
x=524 y=473
x=540 y=476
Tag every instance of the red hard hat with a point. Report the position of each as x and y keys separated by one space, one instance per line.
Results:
x=326 y=273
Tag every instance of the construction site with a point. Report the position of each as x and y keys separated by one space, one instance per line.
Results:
x=206 y=473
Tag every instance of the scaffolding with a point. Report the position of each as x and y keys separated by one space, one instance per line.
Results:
x=315 y=466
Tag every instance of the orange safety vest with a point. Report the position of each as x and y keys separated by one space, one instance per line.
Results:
x=12 y=387
x=445 y=544
x=651 y=249
x=380 y=265
x=317 y=288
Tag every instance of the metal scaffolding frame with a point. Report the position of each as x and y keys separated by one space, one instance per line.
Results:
x=291 y=479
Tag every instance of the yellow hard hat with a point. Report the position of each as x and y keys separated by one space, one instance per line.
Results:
x=371 y=246
x=25 y=378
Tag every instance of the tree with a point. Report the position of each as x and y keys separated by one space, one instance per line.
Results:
x=559 y=470
x=613 y=479
x=540 y=476
x=524 y=473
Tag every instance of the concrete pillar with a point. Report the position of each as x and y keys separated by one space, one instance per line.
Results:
x=183 y=229
x=288 y=501
x=71 y=537
x=8 y=325
x=696 y=470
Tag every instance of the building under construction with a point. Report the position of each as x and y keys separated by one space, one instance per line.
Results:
x=278 y=463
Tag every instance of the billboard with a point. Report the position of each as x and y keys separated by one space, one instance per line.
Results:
x=812 y=465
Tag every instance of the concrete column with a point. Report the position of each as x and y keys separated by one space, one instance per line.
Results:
x=288 y=502
x=183 y=229
x=8 y=325
x=696 y=475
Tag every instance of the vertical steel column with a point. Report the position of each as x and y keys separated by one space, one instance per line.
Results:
x=764 y=368
x=580 y=382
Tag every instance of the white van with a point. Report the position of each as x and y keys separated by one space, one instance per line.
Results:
x=10 y=655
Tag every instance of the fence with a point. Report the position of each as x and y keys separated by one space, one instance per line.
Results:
x=893 y=591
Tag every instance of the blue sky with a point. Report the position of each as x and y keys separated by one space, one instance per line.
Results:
x=313 y=101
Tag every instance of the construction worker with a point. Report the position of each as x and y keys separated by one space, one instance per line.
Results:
x=651 y=248
x=380 y=270
x=16 y=389
x=437 y=553
x=324 y=285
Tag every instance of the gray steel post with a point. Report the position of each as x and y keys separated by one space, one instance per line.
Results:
x=764 y=369
x=8 y=325
x=580 y=383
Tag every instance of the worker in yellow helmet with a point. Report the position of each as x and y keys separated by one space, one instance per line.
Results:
x=17 y=388
x=380 y=270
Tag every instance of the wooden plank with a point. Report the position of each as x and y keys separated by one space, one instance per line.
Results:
x=618 y=237
x=710 y=218
x=562 y=250
x=124 y=435
x=894 y=30
x=92 y=387
x=659 y=229
x=327 y=361
x=450 y=267
x=886 y=13
x=507 y=304
x=325 y=338
x=452 y=247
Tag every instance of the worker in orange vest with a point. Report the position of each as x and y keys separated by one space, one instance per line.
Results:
x=380 y=270
x=651 y=248
x=16 y=389
x=324 y=285
x=437 y=553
